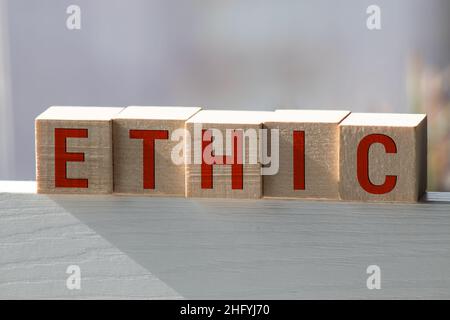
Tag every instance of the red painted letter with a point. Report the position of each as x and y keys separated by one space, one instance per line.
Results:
x=299 y=159
x=62 y=157
x=149 y=137
x=362 y=164
x=237 y=167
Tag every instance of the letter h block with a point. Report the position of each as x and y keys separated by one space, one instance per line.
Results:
x=146 y=158
x=223 y=154
x=74 y=150
x=383 y=157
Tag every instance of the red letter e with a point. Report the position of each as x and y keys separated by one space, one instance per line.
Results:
x=62 y=157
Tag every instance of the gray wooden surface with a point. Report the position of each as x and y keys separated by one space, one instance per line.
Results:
x=203 y=248
x=39 y=240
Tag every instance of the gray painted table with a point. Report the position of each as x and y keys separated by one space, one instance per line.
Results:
x=142 y=247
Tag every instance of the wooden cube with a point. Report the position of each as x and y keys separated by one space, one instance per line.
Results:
x=223 y=154
x=74 y=150
x=383 y=157
x=308 y=154
x=143 y=150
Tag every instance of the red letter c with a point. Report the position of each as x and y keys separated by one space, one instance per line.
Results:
x=362 y=165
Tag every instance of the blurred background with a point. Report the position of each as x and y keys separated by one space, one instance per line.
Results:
x=241 y=54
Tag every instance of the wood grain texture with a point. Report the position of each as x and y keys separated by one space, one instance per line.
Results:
x=38 y=241
x=169 y=177
x=96 y=147
x=321 y=153
x=408 y=164
x=226 y=249
x=222 y=182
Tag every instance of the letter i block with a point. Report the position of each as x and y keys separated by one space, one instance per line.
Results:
x=146 y=158
x=74 y=150
x=308 y=150
x=223 y=154
x=383 y=157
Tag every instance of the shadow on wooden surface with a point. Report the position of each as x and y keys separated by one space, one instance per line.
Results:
x=278 y=249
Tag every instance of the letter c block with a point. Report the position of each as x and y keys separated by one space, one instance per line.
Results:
x=383 y=157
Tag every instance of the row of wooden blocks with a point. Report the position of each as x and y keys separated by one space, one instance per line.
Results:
x=314 y=154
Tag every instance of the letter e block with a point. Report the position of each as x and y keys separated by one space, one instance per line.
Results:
x=308 y=154
x=383 y=157
x=74 y=150
x=146 y=159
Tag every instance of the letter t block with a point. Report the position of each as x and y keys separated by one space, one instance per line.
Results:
x=74 y=150
x=146 y=159
x=383 y=157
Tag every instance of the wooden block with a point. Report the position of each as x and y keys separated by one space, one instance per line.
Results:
x=74 y=150
x=231 y=170
x=308 y=154
x=383 y=157
x=143 y=149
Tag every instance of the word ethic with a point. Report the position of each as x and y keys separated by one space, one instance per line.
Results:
x=187 y=151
